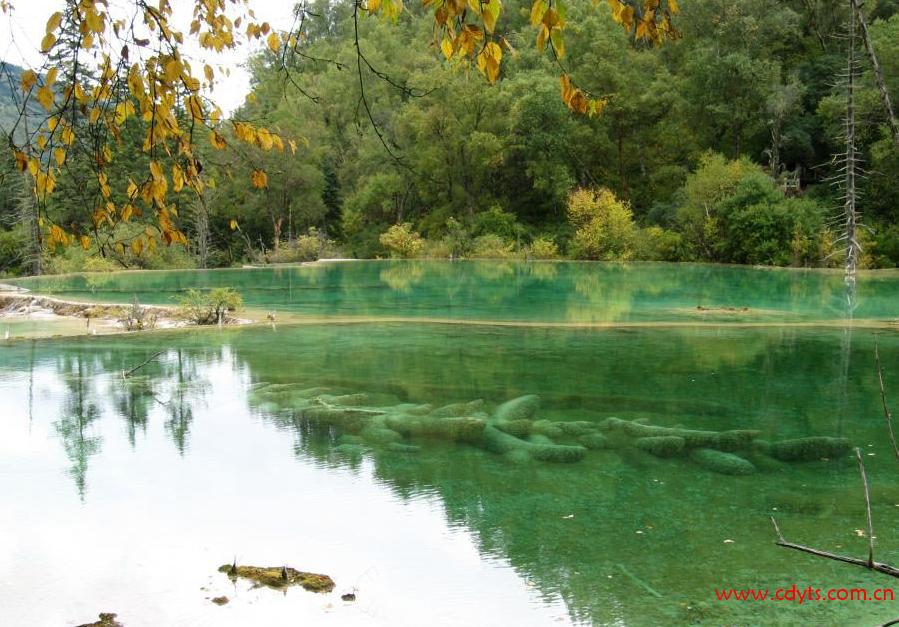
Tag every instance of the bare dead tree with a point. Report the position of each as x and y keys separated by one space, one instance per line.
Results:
x=847 y=162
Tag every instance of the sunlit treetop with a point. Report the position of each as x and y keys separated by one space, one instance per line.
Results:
x=106 y=67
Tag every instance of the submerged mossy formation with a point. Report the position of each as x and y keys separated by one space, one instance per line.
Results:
x=279 y=577
x=107 y=619
x=515 y=430
x=809 y=449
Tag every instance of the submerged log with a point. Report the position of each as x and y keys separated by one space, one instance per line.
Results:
x=809 y=449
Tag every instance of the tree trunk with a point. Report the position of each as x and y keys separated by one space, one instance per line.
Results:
x=878 y=72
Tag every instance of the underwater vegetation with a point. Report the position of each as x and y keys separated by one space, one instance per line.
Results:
x=515 y=431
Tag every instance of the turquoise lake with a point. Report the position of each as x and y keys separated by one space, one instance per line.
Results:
x=272 y=444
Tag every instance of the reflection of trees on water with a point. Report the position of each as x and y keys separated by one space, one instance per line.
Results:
x=186 y=389
x=94 y=391
x=133 y=401
x=75 y=426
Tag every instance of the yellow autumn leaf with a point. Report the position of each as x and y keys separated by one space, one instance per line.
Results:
x=85 y=242
x=446 y=46
x=490 y=14
x=45 y=97
x=233 y=224
x=28 y=79
x=54 y=21
x=177 y=178
x=259 y=179
x=274 y=42
x=21 y=160
x=173 y=70
x=127 y=210
x=196 y=108
x=47 y=42
x=537 y=10
x=59 y=154
x=94 y=20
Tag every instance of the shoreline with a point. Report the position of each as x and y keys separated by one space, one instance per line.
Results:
x=24 y=306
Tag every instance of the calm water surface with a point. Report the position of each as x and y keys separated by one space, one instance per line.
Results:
x=494 y=290
x=126 y=496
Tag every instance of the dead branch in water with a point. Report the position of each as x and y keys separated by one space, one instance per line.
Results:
x=128 y=373
x=869 y=563
x=883 y=400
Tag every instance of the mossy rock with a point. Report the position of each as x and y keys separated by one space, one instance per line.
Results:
x=505 y=444
x=661 y=446
x=610 y=424
x=727 y=441
x=519 y=408
x=809 y=449
x=558 y=453
x=379 y=435
x=456 y=429
x=548 y=428
x=412 y=409
x=721 y=462
x=518 y=428
x=736 y=440
x=349 y=419
x=765 y=463
x=279 y=577
x=346 y=400
x=459 y=409
x=107 y=619
x=576 y=428
x=595 y=441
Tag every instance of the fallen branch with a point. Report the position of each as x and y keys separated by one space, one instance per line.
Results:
x=869 y=563
x=128 y=373
x=883 y=400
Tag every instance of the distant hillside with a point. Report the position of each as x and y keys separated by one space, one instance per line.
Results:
x=11 y=98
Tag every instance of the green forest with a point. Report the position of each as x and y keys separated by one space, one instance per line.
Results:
x=718 y=146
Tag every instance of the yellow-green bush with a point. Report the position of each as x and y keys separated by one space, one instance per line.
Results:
x=492 y=247
x=543 y=248
x=401 y=241
x=605 y=225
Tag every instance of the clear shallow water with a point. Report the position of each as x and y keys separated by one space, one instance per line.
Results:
x=126 y=496
x=538 y=291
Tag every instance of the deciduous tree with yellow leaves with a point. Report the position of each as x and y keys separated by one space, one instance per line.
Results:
x=127 y=69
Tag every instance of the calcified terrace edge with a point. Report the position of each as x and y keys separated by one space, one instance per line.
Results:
x=13 y=297
x=21 y=302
